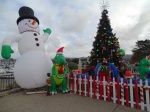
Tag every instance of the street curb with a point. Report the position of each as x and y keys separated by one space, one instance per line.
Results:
x=6 y=93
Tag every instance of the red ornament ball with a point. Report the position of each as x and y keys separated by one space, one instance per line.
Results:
x=92 y=67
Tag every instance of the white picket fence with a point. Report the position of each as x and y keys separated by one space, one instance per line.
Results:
x=132 y=95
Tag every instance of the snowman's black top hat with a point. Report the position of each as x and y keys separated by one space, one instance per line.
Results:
x=26 y=13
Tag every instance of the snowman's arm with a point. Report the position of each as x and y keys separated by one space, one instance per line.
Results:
x=46 y=34
x=45 y=37
x=6 y=46
x=9 y=40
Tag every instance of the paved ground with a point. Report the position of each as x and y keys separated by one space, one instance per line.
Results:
x=20 y=102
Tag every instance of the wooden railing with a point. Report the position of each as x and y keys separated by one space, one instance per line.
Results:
x=7 y=82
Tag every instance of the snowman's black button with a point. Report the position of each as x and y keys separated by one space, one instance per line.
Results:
x=37 y=44
x=35 y=34
x=36 y=39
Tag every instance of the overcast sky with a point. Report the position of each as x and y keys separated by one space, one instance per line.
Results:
x=74 y=23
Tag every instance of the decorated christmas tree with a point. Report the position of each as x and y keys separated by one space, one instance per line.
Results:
x=106 y=44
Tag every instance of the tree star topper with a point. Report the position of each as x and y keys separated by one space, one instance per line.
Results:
x=104 y=5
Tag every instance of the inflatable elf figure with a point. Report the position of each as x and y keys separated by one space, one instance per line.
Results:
x=48 y=81
x=59 y=72
x=105 y=66
x=104 y=70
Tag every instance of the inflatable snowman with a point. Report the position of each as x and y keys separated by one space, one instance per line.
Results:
x=30 y=70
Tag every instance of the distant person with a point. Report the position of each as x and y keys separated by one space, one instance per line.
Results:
x=122 y=71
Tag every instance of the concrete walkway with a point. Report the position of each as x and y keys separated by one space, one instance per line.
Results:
x=20 y=102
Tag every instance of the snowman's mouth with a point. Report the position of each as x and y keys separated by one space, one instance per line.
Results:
x=31 y=26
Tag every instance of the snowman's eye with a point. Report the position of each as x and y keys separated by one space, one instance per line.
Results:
x=29 y=20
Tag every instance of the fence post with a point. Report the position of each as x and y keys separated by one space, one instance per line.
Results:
x=141 y=95
x=136 y=95
x=97 y=87
x=80 y=85
x=127 y=93
x=147 y=96
x=118 y=92
x=91 y=93
x=85 y=83
x=88 y=87
x=77 y=83
x=104 y=88
x=94 y=84
x=131 y=94
x=75 y=86
x=100 y=89
x=114 y=90
x=108 y=91
x=122 y=91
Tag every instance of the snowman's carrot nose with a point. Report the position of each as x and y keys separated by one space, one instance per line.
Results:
x=33 y=22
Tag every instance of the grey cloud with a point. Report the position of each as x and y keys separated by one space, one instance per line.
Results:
x=139 y=31
x=74 y=21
